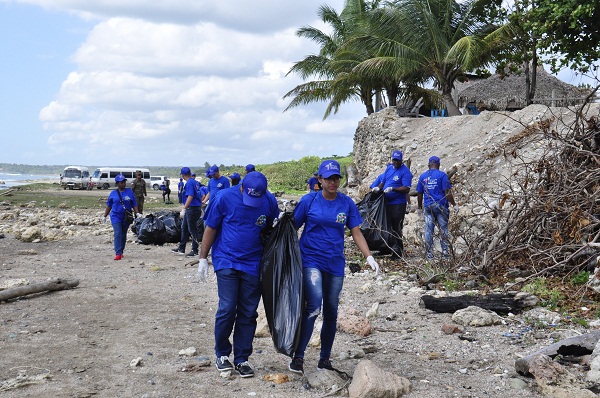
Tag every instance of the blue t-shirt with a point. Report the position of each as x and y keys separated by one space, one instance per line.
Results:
x=180 y=186
x=313 y=183
x=117 y=213
x=237 y=244
x=396 y=178
x=216 y=184
x=432 y=185
x=377 y=181
x=325 y=221
x=190 y=189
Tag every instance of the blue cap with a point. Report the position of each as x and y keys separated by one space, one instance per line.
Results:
x=254 y=188
x=214 y=169
x=181 y=179
x=120 y=177
x=397 y=155
x=329 y=168
x=193 y=174
x=207 y=172
x=434 y=159
x=316 y=173
x=185 y=171
x=250 y=167
x=235 y=176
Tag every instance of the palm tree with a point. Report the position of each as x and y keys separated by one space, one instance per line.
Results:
x=437 y=39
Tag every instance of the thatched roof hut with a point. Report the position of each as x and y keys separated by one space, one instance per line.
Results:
x=499 y=92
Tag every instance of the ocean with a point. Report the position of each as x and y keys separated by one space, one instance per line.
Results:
x=8 y=180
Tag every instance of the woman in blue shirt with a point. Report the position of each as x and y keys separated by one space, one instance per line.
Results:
x=118 y=201
x=325 y=215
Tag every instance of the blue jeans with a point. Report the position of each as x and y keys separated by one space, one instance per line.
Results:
x=120 y=236
x=189 y=227
x=436 y=214
x=319 y=287
x=239 y=295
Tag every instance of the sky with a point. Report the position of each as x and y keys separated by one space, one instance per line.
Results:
x=161 y=83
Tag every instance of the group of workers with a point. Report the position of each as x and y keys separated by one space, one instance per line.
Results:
x=233 y=220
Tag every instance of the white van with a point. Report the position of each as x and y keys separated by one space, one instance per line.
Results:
x=104 y=177
x=156 y=181
x=75 y=177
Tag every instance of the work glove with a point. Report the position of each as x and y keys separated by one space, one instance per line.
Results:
x=138 y=215
x=182 y=213
x=376 y=189
x=456 y=208
x=104 y=220
x=203 y=270
x=420 y=214
x=388 y=190
x=371 y=261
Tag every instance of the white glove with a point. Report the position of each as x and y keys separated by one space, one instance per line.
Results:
x=373 y=264
x=281 y=214
x=456 y=208
x=182 y=213
x=420 y=214
x=138 y=215
x=203 y=270
x=104 y=220
x=388 y=190
x=376 y=189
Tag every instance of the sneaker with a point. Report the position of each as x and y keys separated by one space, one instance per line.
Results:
x=324 y=363
x=223 y=364
x=297 y=365
x=192 y=254
x=177 y=251
x=244 y=369
x=118 y=257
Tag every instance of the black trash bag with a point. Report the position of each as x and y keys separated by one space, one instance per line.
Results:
x=200 y=226
x=282 y=290
x=172 y=223
x=136 y=225
x=376 y=227
x=152 y=231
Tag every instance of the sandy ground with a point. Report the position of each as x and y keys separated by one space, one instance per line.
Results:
x=150 y=305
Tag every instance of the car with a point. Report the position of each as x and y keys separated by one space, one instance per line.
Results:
x=156 y=181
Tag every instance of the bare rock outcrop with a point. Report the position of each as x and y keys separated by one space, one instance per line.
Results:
x=369 y=381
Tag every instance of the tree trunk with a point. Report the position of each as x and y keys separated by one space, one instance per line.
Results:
x=52 y=285
x=534 y=65
x=450 y=105
x=527 y=84
x=392 y=94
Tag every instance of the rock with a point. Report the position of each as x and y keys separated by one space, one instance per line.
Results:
x=262 y=327
x=369 y=381
x=136 y=362
x=188 y=352
x=353 y=324
x=324 y=379
x=27 y=252
x=10 y=283
x=594 y=374
x=372 y=312
x=30 y=234
x=451 y=329
x=517 y=384
x=353 y=353
x=542 y=315
x=475 y=316
x=554 y=380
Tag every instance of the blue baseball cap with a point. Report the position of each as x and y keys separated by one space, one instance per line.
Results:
x=120 y=177
x=235 y=176
x=250 y=167
x=329 y=168
x=214 y=169
x=254 y=188
x=316 y=173
x=434 y=159
x=185 y=171
x=397 y=155
x=193 y=174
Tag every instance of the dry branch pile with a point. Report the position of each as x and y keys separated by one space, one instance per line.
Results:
x=548 y=218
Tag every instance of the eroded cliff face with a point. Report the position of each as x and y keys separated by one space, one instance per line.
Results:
x=482 y=147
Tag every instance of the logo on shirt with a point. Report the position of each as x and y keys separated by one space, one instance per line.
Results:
x=396 y=178
x=219 y=185
x=341 y=218
x=126 y=198
x=262 y=220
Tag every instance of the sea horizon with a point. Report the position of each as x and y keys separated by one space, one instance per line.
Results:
x=9 y=180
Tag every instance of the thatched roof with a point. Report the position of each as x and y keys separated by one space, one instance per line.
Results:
x=499 y=92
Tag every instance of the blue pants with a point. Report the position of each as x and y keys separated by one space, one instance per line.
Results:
x=180 y=197
x=239 y=295
x=120 y=236
x=436 y=214
x=189 y=227
x=319 y=287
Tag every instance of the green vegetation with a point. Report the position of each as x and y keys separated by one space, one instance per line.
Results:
x=551 y=297
x=580 y=278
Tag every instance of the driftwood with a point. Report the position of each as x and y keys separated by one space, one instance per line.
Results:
x=51 y=285
x=573 y=346
x=499 y=303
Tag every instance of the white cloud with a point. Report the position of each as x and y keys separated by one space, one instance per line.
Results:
x=204 y=87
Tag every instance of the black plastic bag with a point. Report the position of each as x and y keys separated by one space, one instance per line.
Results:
x=136 y=225
x=282 y=290
x=152 y=231
x=376 y=227
x=172 y=223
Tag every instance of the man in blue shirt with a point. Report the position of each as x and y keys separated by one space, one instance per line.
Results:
x=235 y=179
x=217 y=182
x=190 y=213
x=434 y=195
x=396 y=183
x=313 y=184
x=180 y=190
x=234 y=220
